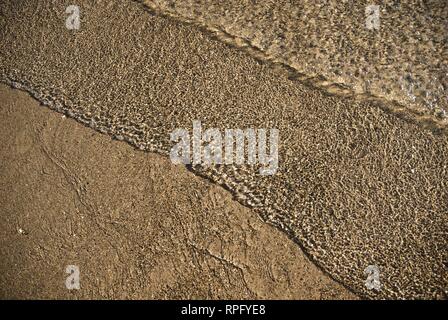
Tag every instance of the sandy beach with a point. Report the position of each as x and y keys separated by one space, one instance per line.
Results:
x=138 y=226
x=361 y=181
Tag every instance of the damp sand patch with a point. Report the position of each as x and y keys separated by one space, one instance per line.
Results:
x=356 y=186
x=70 y=195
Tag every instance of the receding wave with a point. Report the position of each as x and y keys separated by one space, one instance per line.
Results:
x=356 y=185
x=328 y=44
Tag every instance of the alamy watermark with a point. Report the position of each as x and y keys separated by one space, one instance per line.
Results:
x=72 y=281
x=233 y=146
x=373 y=277
x=373 y=17
x=73 y=21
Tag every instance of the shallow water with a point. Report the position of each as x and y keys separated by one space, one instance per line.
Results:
x=401 y=58
x=356 y=185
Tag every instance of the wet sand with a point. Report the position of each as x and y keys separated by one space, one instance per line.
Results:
x=137 y=226
x=357 y=185
x=339 y=46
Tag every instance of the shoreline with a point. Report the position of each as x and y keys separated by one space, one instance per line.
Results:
x=351 y=176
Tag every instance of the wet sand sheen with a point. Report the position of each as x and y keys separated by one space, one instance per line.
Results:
x=356 y=186
x=131 y=221
x=392 y=52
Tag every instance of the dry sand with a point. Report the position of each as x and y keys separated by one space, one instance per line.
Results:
x=136 y=225
x=357 y=185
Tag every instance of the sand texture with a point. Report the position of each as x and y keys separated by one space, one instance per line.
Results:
x=356 y=186
x=330 y=45
x=137 y=226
